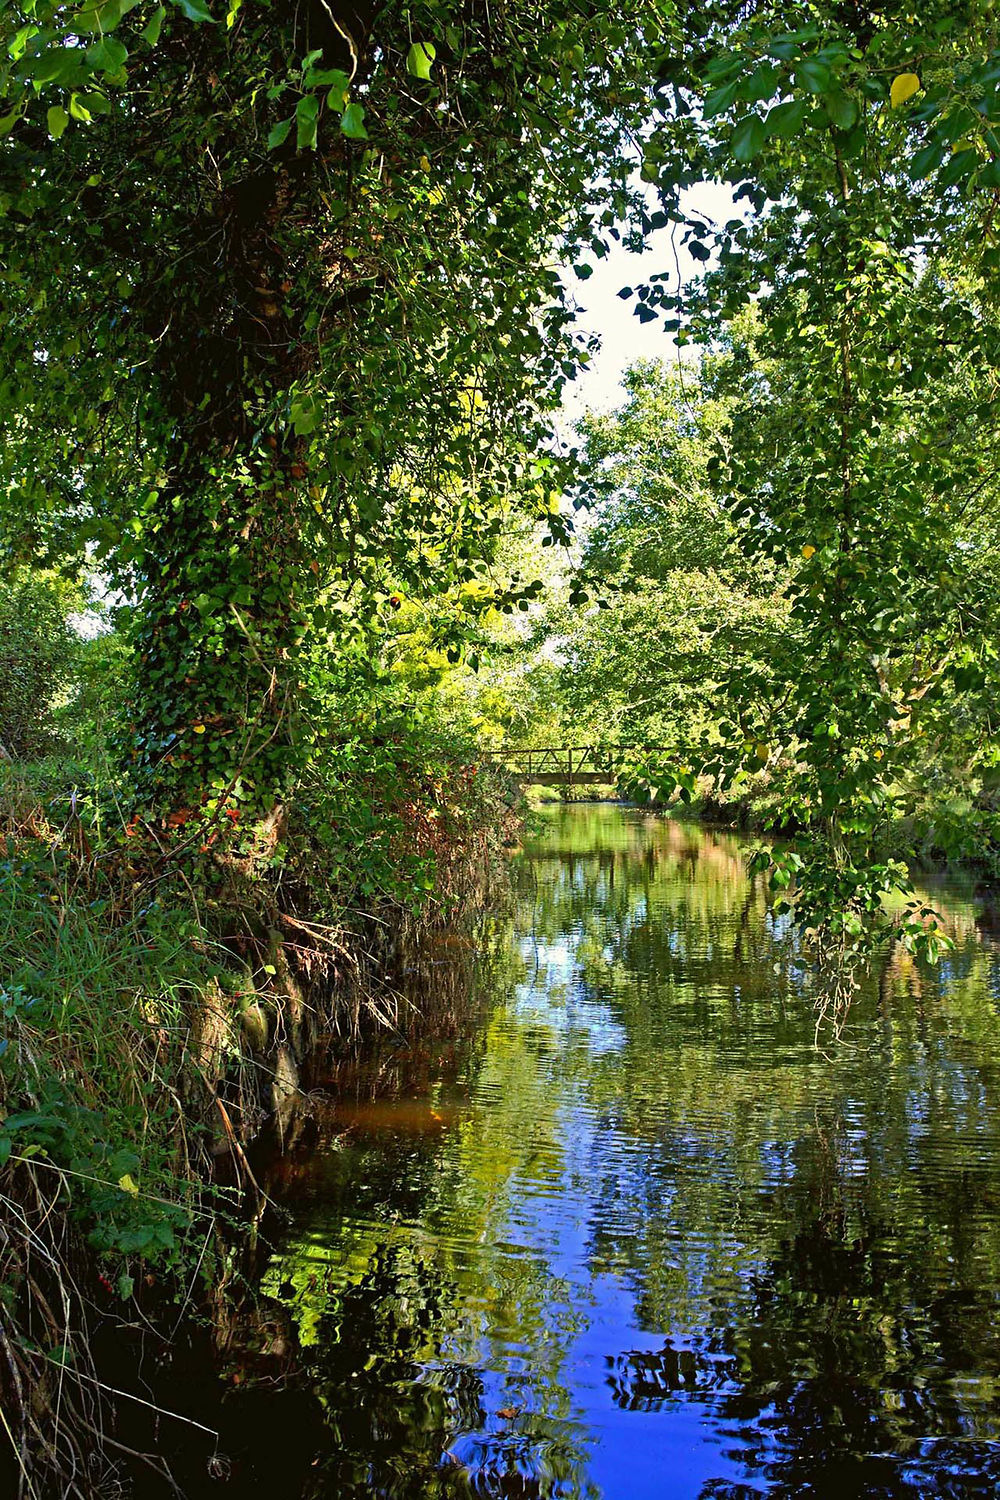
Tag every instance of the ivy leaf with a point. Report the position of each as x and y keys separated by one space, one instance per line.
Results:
x=926 y=159
x=99 y=17
x=812 y=75
x=419 y=59
x=352 y=124
x=785 y=119
x=719 y=100
x=108 y=54
x=761 y=84
x=304 y=414
x=306 y=119
x=58 y=119
x=904 y=86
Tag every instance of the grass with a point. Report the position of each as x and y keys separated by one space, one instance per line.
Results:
x=143 y=1007
x=105 y=1180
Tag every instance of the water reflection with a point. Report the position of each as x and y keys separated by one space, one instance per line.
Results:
x=627 y=1234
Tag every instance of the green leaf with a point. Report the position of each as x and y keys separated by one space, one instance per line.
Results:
x=63 y=65
x=99 y=18
x=959 y=167
x=337 y=97
x=195 y=10
x=785 y=119
x=151 y=32
x=352 y=123
x=926 y=159
x=748 y=138
x=306 y=118
x=304 y=414
x=58 y=119
x=278 y=134
x=761 y=84
x=109 y=54
x=419 y=59
x=842 y=109
x=719 y=100
x=333 y=78
x=813 y=76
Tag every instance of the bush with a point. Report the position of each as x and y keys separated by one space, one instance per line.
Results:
x=38 y=654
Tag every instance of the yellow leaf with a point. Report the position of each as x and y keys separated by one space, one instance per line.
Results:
x=198 y=728
x=904 y=86
x=128 y=1186
x=807 y=552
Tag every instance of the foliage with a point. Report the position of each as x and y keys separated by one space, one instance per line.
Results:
x=37 y=660
x=309 y=325
x=681 y=613
x=94 y=1002
x=860 y=457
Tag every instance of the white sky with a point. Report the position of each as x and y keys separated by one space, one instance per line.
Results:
x=623 y=338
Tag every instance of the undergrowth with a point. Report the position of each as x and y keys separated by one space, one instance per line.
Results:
x=150 y=973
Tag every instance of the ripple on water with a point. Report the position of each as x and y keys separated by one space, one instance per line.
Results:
x=635 y=1237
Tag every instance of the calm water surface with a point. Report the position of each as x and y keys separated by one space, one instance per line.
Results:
x=617 y=1229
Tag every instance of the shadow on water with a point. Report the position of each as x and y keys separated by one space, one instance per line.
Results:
x=606 y=1223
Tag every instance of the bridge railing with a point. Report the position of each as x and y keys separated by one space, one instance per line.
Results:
x=566 y=763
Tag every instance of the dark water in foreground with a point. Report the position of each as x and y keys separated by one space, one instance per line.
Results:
x=631 y=1235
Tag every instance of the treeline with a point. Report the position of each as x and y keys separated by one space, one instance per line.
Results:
x=692 y=639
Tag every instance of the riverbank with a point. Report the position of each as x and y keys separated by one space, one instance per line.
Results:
x=608 y=1215
x=160 y=997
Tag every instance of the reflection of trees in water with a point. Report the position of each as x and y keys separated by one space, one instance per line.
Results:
x=815 y=1241
x=395 y=1397
x=839 y=1339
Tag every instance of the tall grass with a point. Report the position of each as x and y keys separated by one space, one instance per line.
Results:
x=151 y=1012
x=103 y=1161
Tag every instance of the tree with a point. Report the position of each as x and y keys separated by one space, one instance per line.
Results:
x=861 y=459
x=36 y=660
x=683 y=613
x=308 y=324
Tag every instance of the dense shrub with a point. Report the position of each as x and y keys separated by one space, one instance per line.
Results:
x=38 y=655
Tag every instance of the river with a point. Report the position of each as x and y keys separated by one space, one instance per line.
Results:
x=612 y=1226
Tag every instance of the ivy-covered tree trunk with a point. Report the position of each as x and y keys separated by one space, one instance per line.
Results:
x=309 y=323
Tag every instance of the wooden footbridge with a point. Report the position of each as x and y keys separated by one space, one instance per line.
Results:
x=566 y=765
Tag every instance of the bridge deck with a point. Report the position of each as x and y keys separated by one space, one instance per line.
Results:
x=566 y=765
